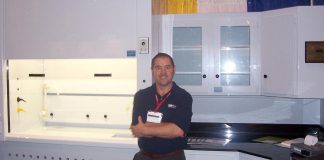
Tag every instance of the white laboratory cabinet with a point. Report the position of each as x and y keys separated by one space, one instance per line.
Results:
x=215 y=54
x=244 y=156
x=219 y=155
x=284 y=34
x=75 y=29
x=205 y=155
x=45 y=151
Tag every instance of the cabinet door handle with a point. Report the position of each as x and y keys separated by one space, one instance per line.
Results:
x=265 y=76
x=36 y=75
x=217 y=75
x=204 y=76
x=102 y=75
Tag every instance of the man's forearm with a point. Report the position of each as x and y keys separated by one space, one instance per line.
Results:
x=163 y=130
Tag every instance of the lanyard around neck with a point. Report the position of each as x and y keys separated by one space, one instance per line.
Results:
x=159 y=104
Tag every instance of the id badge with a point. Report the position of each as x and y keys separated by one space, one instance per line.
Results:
x=154 y=117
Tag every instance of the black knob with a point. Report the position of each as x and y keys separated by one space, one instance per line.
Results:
x=87 y=115
x=144 y=80
x=105 y=116
x=20 y=99
x=51 y=114
x=204 y=76
x=265 y=76
x=217 y=75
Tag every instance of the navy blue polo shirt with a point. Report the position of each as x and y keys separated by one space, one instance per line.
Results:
x=176 y=109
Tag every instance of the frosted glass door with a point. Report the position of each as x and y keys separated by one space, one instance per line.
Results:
x=187 y=54
x=235 y=56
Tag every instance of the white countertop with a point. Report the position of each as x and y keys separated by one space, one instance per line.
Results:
x=117 y=138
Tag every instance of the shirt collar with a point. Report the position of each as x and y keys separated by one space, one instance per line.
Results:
x=172 y=90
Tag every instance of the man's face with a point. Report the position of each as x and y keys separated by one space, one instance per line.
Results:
x=163 y=71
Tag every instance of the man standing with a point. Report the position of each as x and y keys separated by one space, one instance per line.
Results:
x=161 y=114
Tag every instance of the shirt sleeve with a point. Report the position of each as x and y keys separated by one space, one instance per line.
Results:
x=182 y=117
x=136 y=109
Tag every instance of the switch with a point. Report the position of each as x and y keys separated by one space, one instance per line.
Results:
x=143 y=45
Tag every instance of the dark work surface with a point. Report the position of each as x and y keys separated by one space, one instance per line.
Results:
x=268 y=151
x=297 y=157
x=242 y=135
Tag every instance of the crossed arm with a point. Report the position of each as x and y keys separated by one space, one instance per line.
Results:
x=162 y=130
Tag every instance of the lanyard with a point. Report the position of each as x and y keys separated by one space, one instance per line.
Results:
x=159 y=104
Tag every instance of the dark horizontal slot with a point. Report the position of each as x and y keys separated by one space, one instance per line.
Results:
x=102 y=74
x=319 y=50
x=36 y=75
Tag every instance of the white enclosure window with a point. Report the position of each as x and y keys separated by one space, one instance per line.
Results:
x=79 y=99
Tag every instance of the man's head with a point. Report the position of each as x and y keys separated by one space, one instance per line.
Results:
x=163 y=69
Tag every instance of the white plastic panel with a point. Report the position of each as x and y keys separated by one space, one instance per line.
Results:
x=1 y=68
x=279 y=53
x=25 y=114
x=144 y=29
x=70 y=29
x=310 y=28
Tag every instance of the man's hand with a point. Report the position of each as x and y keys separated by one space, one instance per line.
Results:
x=139 y=129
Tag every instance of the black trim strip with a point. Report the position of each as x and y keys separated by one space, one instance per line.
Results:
x=8 y=98
x=36 y=75
x=103 y=75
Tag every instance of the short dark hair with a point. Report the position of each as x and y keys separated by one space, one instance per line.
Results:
x=159 y=55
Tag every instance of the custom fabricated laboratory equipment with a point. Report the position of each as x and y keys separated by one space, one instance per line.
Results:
x=71 y=99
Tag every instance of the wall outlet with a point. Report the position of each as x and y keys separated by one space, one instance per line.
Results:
x=143 y=45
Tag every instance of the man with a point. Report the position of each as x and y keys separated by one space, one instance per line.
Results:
x=161 y=114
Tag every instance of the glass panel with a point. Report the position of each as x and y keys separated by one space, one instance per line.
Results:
x=187 y=60
x=187 y=55
x=235 y=36
x=235 y=79
x=188 y=79
x=235 y=61
x=235 y=55
x=186 y=36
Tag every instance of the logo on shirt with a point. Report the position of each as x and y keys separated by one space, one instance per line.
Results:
x=172 y=106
